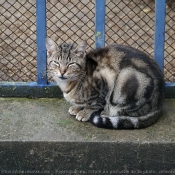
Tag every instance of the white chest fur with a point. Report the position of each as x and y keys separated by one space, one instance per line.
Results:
x=61 y=83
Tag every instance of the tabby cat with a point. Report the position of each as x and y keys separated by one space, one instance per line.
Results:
x=115 y=87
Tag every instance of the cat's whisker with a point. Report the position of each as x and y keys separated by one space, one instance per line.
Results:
x=77 y=78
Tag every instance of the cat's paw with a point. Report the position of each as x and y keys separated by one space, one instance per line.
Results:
x=73 y=110
x=82 y=116
x=104 y=114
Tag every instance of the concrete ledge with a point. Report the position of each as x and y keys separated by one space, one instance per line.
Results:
x=39 y=136
x=29 y=90
x=87 y=158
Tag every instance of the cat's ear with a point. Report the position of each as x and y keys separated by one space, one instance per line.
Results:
x=51 y=46
x=81 y=49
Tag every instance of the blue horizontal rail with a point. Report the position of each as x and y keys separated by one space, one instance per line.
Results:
x=41 y=88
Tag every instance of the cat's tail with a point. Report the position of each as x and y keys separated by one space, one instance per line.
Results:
x=124 y=122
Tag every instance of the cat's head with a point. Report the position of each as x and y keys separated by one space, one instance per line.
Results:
x=66 y=61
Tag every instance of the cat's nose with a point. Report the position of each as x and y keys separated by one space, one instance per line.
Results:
x=62 y=72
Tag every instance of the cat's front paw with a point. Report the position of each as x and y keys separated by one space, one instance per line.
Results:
x=73 y=110
x=82 y=116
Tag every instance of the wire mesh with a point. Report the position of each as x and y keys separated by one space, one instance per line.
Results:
x=18 y=40
x=127 y=22
x=169 y=62
x=71 y=21
x=130 y=23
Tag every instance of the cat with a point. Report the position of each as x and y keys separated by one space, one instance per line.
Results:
x=115 y=87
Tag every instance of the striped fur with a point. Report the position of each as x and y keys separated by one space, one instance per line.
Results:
x=116 y=87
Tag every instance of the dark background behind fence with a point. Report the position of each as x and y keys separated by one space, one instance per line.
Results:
x=127 y=22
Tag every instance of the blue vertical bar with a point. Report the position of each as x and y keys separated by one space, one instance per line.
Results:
x=41 y=36
x=159 y=37
x=100 y=23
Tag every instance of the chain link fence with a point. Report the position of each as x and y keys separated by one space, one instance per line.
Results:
x=127 y=22
x=18 y=40
x=170 y=42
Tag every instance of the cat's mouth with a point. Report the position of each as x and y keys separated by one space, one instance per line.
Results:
x=62 y=78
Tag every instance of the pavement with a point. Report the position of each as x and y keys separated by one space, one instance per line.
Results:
x=39 y=136
x=47 y=119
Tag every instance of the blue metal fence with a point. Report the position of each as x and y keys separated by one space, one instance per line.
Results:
x=41 y=35
x=159 y=38
x=43 y=88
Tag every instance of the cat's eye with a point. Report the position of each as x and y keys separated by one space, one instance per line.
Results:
x=74 y=65
x=71 y=64
x=56 y=63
